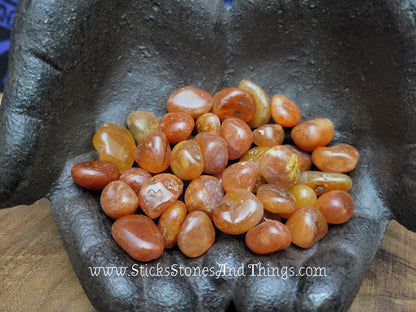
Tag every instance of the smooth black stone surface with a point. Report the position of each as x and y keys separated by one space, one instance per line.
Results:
x=77 y=64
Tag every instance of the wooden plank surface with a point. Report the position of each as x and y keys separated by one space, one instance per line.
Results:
x=36 y=275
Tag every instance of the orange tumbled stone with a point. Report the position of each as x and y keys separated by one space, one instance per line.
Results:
x=153 y=153
x=241 y=175
x=158 y=193
x=238 y=212
x=268 y=135
x=204 y=193
x=115 y=143
x=305 y=162
x=238 y=136
x=94 y=175
x=312 y=134
x=197 y=234
x=336 y=206
x=322 y=182
x=304 y=195
x=234 y=102
x=118 y=199
x=276 y=199
x=190 y=100
x=339 y=158
x=135 y=177
x=141 y=123
x=280 y=166
x=139 y=236
x=177 y=126
x=208 y=122
x=186 y=160
x=307 y=225
x=268 y=237
x=170 y=223
x=214 y=152
x=284 y=111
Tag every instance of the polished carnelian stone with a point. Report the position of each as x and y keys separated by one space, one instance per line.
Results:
x=94 y=175
x=118 y=199
x=280 y=166
x=336 y=206
x=153 y=153
x=238 y=136
x=141 y=123
x=135 y=177
x=312 y=134
x=214 y=152
x=238 y=212
x=268 y=237
x=276 y=199
x=322 y=182
x=170 y=223
x=284 y=111
x=261 y=100
x=208 y=122
x=158 y=193
x=234 y=102
x=241 y=175
x=304 y=195
x=339 y=158
x=190 y=100
x=115 y=143
x=254 y=155
x=139 y=236
x=177 y=126
x=268 y=135
x=305 y=162
x=197 y=234
x=307 y=225
x=270 y=216
x=186 y=160
x=204 y=193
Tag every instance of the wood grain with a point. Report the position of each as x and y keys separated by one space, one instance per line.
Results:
x=36 y=275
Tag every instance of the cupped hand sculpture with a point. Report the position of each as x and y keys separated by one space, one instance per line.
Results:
x=77 y=64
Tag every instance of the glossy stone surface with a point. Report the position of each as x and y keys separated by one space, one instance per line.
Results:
x=214 y=152
x=276 y=199
x=268 y=237
x=115 y=143
x=261 y=100
x=204 y=193
x=254 y=155
x=336 y=206
x=238 y=136
x=197 y=234
x=158 y=193
x=240 y=175
x=280 y=166
x=312 y=134
x=304 y=195
x=268 y=135
x=118 y=199
x=208 y=122
x=186 y=160
x=177 y=126
x=322 y=182
x=270 y=216
x=94 y=175
x=141 y=123
x=304 y=158
x=307 y=225
x=339 y=158
x=139 y=236
x=238 y=212
x=135 y=178
x=234 y=102
x=170 y=223
x=153 y=153
x=190 y=100
x=284 y=111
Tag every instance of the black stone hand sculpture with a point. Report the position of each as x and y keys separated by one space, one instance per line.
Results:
x=77 y=64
